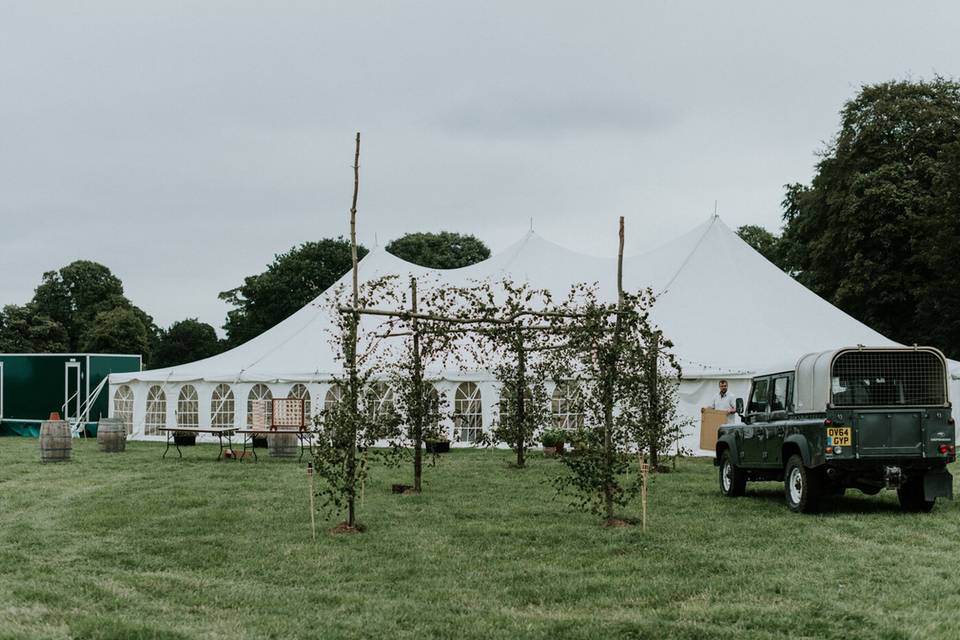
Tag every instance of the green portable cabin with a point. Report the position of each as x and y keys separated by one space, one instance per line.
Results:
x=33 y=385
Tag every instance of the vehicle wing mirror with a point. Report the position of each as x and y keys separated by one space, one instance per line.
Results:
x=740 y=406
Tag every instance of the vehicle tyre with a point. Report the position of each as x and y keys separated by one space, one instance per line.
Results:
x=733 y=479
x=911 y=496
x=802 y=486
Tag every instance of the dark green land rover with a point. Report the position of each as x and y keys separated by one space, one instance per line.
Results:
x=861 y=418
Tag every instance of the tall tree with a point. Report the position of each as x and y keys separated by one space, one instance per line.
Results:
x=185 y=341
x=764 y=242
x=118 y=330
x=24 y=330
x=876 y=231
x=291 y=281
x=515 y=342
x=444 y=250
x=73 y=295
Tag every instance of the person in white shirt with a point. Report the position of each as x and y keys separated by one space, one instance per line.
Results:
x=723 y=401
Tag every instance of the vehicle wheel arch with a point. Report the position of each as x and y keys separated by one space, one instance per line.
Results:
x=795 y=445
x=721 y=447
x=726 y=443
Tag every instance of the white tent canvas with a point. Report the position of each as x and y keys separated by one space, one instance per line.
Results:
x=729 y=312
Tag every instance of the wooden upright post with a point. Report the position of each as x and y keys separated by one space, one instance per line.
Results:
x=644 y=475
x=353 y=221
x=620 y=269
x=354 y=392
x=421 y=407
x=313 y=521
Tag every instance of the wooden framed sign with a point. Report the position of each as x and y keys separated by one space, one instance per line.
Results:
x=710 y=421
x=289 y=413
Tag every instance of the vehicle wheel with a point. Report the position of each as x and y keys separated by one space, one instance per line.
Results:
x=802 y=486
x=733 y=479
x=911 y=496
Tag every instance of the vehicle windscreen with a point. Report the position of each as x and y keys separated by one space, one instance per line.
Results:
x=888 y=378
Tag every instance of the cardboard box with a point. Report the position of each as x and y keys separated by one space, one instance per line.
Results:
x=710 y=421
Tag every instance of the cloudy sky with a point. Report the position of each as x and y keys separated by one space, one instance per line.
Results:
x=183 y=144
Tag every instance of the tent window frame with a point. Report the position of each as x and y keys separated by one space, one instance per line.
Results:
x=223 y=406
x=123 y=399
x=155 y=414
x=468 y=412
x=188 y=407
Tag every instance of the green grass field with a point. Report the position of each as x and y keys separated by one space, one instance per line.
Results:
x=132 y=546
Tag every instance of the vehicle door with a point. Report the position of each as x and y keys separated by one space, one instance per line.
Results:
x=781 y=401
x=755 y=418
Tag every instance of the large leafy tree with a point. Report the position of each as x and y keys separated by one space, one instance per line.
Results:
x=763 y=241
x=73 y=295
x=444 y=250
x=24 y=330
x=876 y=232
x=119 y=330
x=185 y=341
x=291 y=281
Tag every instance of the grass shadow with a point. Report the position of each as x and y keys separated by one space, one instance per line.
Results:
x=853 y=502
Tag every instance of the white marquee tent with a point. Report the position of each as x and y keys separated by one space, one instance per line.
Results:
x=728 y=311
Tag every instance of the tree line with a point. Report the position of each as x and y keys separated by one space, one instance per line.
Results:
x=82 y=306
x=877 y=230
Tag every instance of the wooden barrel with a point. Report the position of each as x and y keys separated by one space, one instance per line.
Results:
x=55 y=445
x=283 y=444
x=111 y=435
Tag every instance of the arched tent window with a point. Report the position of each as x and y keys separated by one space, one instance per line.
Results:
x=378 y=399
x=566 y=405
x=156 y=414
x=300 y=391
x=467 y=412
x=333 y=397
x=506 y=402
x=188 y=407
x=222 y=409
x=259 y=402
x=433 y=410
x=123 y=407
x=378 y=403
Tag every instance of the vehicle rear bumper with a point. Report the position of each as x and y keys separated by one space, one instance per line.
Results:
x=937 y=480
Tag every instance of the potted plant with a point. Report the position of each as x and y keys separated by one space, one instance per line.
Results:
x=438 y=444
x=184 y=438
x=552 y=441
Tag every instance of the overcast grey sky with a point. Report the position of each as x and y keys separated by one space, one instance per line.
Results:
x=183 y=144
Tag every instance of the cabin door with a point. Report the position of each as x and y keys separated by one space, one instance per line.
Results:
x=71 y=391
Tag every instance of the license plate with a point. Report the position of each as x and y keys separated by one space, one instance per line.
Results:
x=839 y=437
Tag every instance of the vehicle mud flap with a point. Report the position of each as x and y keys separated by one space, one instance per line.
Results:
x=937 y=483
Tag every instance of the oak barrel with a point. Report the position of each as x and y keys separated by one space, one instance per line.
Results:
x=282 y=444
x=55 y=445
x=111 y=435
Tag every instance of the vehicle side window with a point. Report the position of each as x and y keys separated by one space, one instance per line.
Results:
x=781 y=387
x=760 y=396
